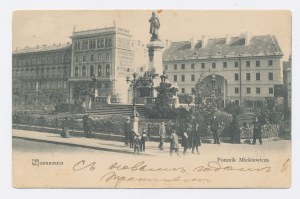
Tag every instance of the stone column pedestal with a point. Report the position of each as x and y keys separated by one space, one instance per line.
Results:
x=155 y=49
x=135 y=121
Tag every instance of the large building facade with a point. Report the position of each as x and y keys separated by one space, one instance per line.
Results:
x=106 y=54
x=41 y=68
x=246 y=68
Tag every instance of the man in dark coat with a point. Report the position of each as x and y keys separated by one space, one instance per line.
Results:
x=235 y=130
x=214 y=127
x=195 y=138
x=257 y=131
x=87 y=125
x=127 y=130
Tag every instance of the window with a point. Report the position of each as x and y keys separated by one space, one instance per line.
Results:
x=271 y=90
x=48 y=71
x=236 y=76
x=247 y=63
x=202 y=65
x=65 y=71
x=236 y=64
x=92 y=44
x=248 y=77
x=107 y=57
x=192 y=66
x=193 y=78
x=85 y=45
x=166 y=67
x=83 y=71
x=224 y=64
x=91 y=71
x=182 y=90
x=236 y=90
x=76 y=71
x=270 y=62
x=248 y=90
x=213 y=65
x=271 y=76
x=257 y=90
x=99 y=70
x=76 y=59
x=91 y=58
x=53 y=71
x=83 y=58
x=182 y=66
x=58 y=71
x=175 y=78
x=257 y=76
x=182 y=78
x=193 y=90
x=99 y=57
x=107 y=70
x=257 y=63
x=175 y=66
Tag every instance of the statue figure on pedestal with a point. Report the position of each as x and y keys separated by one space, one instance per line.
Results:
x=154 y=26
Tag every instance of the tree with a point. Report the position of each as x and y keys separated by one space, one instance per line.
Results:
x=57 y=97
x=80 y=94
x=165 y=95
x=185 y=98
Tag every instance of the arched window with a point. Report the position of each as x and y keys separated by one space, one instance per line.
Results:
x=91 y=71
x=99 y=70
x=83 y=71
x=107 y=70
x=76 y=71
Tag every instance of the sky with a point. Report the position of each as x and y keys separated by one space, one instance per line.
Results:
x=31 y=28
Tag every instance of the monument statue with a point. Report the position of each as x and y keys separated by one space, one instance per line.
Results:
x=154 y=26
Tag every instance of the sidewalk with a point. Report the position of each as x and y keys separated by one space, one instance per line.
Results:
x=91 y=143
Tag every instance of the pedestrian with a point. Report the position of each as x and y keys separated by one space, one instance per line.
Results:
x=214 y=127
x=257 y=131
x=235 y=130
x=87 y=125
x=131 y=138
x=137 y=144
x=127 y=130
x=195 y=137
x=143 y=139
x=65 y=128
x=185 y=142
x=174 y=145
x=162 y=135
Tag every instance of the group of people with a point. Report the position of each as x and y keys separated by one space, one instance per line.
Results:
x=190 y=137
x=134 y=139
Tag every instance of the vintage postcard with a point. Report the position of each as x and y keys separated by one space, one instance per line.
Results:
x=151 y=99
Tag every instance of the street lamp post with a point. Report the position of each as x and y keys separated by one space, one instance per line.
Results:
x=133 y=83
x=95 y=94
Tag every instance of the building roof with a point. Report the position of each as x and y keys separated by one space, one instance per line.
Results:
x=265 y=45
x=43 y=48
x=90 y=32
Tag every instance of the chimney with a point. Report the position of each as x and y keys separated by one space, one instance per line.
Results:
x=227 y=39
x=193 y=42
x=247 y=38
x=167 y=43
x=204 y=41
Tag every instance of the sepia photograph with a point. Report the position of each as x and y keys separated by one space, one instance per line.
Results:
x=151 y=98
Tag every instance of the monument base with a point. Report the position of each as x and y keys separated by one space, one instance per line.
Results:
x=155 y=49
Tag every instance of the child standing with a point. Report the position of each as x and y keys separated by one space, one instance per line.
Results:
x=137 y=144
